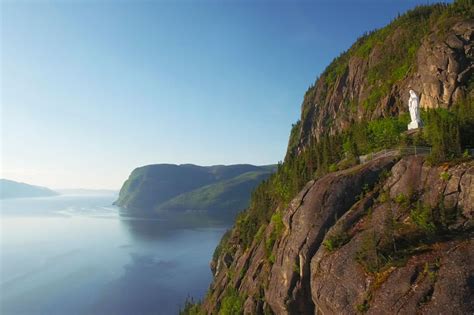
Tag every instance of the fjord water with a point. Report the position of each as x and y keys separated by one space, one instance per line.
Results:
x=79 y=255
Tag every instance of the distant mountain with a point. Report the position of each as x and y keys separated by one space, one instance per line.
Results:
x=85 y=191
x=12 y=189
x=219 y=190
x=223 y=199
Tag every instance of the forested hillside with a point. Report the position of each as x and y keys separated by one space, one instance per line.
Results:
x=221 y=191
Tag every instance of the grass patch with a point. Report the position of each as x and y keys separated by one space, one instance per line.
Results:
x=336 y=241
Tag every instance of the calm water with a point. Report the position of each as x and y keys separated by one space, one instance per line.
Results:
x=78 y=255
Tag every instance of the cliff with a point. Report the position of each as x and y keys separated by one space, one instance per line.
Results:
x=390 y=236
x=428 y=50
x=218 y=190
x=326 y=235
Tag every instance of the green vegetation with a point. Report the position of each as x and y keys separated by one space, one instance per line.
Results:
x=294 y=134
x=222 y=199
x=422 y=215
x=219 y=190
x=393 y=50
x=366 y=137
x=367 y=254
x=275 y=234
x=191 y=307
x=335 y=241
x=296 y=268
x=444 y=131
x=363 y=307
x=449 y=131
x=336 y=69
x=399 y=241
x=232 y=303
x=222 y=247
x=401 y=199
x=395 y=46
x=445 y=176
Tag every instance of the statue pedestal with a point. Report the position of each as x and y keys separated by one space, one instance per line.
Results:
x=414 y=125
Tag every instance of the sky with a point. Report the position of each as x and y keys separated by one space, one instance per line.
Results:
x=91 y=90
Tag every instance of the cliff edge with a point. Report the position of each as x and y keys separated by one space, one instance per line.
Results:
x=327 y=234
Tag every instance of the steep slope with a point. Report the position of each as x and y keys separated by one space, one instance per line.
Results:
x=224 y=199
x=392 y=235
x=12 y=189
x=150 y=185
x=384 y=237
x=412 y=245
x=163 y=187
x=428 y=50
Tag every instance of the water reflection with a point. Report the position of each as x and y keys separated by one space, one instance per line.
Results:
x=77 y=255
x=144 y=288
x=163 y=226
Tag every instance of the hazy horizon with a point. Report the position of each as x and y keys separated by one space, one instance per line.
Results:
x=92 y=90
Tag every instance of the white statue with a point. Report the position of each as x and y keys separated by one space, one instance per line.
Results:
x=414 y=107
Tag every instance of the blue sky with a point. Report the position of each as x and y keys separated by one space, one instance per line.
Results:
x=92 y=89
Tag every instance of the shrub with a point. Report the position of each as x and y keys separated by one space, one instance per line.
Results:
x=232 y=303
x=384 y=197
x=335 y=241
x=401 y=199
x=271 y=259
x=444 y=176
x=422 y=216
x=296 y=268
x=367 y=253
x=442 y=133
x=275 y=234
x=333 y=167
x=363 y=307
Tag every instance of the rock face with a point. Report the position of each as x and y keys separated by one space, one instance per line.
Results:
x=393 y=235
x=439 y=70
x=443 y=68
x=421 y=272
x=387 y=237
x=307 y=220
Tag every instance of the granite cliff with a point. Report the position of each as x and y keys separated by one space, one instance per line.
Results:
x=428 y=50
x=393 y=235
x=390 y=236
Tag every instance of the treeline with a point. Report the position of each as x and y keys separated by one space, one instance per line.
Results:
x=329 y=153
x=447 y=132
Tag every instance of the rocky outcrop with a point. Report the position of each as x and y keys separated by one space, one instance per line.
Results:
x=307 y=220
x=394 y=235
x=390 y=265
x=387 y=237
x=440 y=73
x=445 y=66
